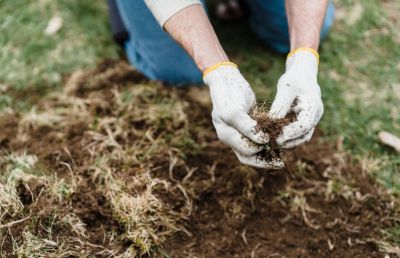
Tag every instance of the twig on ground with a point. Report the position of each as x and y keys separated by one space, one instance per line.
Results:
x=10 y=224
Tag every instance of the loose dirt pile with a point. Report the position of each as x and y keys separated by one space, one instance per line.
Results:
x=115 y=166
x=272 y=127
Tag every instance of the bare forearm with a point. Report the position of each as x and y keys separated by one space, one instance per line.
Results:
x=305 y=18
x=192 y=29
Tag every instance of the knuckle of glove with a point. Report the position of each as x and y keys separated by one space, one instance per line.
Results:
x=309 y=136
x=218 y=126
x=283 y=81
x=216 y=119
x=244 y=150
x=251 y=102
x=224 y=136
x=221 y=135
x=230 y=115
x=317 y=108
x=321 y=111
x=303 y=140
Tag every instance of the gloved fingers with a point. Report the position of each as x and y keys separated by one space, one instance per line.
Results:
x=236 y=140
x=320 y=112
x=296 y=108
x=256 y=161
x=247 y=126
x=282 y=102
x=306 y=121
x=294 y=143
x=316 y=104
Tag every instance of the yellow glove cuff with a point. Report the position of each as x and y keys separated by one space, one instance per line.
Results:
x=212 y=68
x=312 y=51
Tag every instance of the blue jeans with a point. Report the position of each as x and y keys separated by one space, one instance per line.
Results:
x=155 y=54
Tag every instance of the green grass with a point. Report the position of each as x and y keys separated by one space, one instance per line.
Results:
x=31 y=60
x=360 y=64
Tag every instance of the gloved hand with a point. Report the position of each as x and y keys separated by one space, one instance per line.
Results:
x=232 y=100
x=298 y=91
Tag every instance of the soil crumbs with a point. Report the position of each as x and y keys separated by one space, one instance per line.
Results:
x=266 y=124
x=115 y=166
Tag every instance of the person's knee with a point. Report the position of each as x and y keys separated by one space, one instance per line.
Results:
x=177 y=76
x=151 y=50
x=178 y=71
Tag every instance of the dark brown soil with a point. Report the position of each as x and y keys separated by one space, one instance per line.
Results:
x=322 y=204
x=272 y=222
x=273 y=128
x=268 y=125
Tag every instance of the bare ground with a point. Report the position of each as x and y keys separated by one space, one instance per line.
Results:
x=117 y=166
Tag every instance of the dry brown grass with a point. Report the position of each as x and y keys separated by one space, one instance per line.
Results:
x=116 y=160
x=115 y=166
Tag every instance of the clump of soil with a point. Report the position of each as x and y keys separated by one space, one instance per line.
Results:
x=135 y=169
x=266 y=124
x=272 y=127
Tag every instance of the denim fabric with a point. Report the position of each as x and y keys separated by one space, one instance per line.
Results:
x=268 y=20
x=154 y=53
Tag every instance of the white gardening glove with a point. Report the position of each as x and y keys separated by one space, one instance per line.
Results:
x=298 y=91
x=232 y=100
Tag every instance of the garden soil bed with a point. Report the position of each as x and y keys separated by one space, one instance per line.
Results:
x=322 y=204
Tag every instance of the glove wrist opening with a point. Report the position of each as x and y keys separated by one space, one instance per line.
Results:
x=216 y=66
